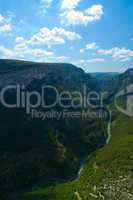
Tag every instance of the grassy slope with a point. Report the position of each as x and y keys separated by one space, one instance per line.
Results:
x=108 y=174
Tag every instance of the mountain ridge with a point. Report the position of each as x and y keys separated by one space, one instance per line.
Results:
x=34 y=150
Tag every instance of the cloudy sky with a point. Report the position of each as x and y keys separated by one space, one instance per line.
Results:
x=96 y=35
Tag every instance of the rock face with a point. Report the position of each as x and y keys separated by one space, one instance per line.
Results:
x=112 y=82
x=33 y=151
x=20 y=72
x=126 y=78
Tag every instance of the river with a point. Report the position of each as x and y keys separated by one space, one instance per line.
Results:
x=107 y=142
x=81 y=169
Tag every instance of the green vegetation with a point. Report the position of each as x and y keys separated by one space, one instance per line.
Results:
x=43 y=157
x=35 y=152
x=108 y=174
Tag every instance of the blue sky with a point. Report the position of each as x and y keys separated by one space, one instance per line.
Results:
x=96 y=35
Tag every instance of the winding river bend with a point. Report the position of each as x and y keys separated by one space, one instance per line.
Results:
x=81 y=169
x=107 y=142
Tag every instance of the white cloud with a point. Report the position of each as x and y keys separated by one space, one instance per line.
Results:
x=82 y=50
x=118 y=54
x=6 y=28
x=92 y=45
x=70 y=16
x=96 y=11
x=82 y=61
x=32 y=47
x=85 y=62
x=23 y=50
x=20 y=51
x=96 y=60
x=51 y=37
x=5 y=23
x=1 y=18
x=44 y=6
x=5 y=52
x=76 y=18
x=61 y=58
x=40 y=52
x=69 y=4
x=19 y=39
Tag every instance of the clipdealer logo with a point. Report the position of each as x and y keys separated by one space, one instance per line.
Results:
x=127 y=92
x=75 y=99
